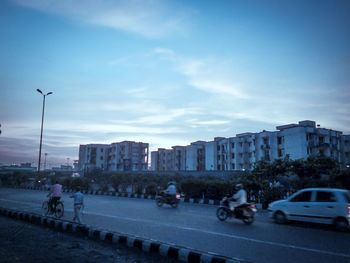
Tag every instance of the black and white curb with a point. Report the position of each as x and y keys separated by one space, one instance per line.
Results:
x=172 y=251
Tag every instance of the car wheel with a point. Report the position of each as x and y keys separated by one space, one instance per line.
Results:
x=341 y=224
x=279 y=217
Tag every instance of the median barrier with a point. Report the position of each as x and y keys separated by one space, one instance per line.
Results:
x=176 y=252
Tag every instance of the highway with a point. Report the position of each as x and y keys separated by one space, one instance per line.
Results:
x=196 y=226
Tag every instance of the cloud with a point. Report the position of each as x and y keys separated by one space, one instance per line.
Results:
x=209 y=75
x=149 y=18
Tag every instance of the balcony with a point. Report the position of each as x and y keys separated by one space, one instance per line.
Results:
x=265 y=147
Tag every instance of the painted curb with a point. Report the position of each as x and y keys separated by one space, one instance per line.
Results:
x=172 y=251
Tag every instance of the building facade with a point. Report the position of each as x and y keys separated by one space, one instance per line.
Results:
x=120 y=156
x=242 y=152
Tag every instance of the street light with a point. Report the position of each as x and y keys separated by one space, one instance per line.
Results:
x=45 y=161
x=42 y=124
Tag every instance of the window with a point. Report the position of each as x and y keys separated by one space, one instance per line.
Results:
x=280 y=153
x=218 y=147
x=302 y=197
x=233 y=167
x=101 y=158
x=321 y=139
x=101 y=150
x=323 y=196
x=233 y=145
x=279 y=140
x=233 y=156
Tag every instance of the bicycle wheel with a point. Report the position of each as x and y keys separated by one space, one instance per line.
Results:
x=59 y=211
x=45 y=208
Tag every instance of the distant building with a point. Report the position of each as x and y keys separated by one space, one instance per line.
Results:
x=195 y=156
x=242 y=152
x=127 y=156
x=345 y=150
x=121 y=156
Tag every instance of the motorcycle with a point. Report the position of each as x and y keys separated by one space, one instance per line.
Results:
x=162 y=198
x=245 y=212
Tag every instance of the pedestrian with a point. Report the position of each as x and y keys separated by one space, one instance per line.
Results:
x=78 y=205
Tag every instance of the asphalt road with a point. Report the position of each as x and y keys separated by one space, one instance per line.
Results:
x=196 y=226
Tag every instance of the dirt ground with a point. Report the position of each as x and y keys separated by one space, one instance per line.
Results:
x=23 y=242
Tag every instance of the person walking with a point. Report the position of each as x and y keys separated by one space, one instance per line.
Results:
x=78 y=205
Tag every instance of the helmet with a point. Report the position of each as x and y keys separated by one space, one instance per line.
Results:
x=171 y=183
x=239 y=186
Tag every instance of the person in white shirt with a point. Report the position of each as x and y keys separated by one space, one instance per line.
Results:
x=78 y=205
x=239 y=198
x=171 y=190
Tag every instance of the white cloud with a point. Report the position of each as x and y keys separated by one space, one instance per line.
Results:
x=149 y=18
x=209 y=75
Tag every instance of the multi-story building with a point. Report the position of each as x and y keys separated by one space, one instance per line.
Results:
x=302 y=140
x=180 y=158
x=162 y=160
x=128 y=156
x=122 y=156
x=345 y=150
x=92 y=156
x=242 y=152
x=195 y=156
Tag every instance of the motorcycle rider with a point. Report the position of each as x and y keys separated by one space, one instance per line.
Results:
x=171 y=190
x=239 y=198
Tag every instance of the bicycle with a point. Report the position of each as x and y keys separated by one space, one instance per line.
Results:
x=57 y=210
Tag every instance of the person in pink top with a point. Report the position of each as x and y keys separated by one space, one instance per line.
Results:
x=55 y=195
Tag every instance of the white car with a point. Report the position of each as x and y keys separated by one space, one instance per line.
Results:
x=316 y=205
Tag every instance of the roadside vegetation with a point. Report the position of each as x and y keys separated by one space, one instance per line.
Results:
x=267 y=182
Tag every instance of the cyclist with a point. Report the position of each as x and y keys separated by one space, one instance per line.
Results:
x=55 y=195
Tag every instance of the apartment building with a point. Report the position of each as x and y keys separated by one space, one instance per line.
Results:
x=345 y=150
x=195 y=156
x=163 y=160
x=92 y=156
x=127 y=156
x=179 y=158
x=306 y=139
x=119 y=156
x=297 y=141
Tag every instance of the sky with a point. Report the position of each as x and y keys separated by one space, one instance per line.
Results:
x=167 y=72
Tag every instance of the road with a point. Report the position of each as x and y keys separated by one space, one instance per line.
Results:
x=196 y=226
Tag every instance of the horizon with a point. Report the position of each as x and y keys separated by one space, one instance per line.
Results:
x=167 y=72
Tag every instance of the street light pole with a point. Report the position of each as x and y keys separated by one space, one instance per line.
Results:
x=45 y=161
x=42 y=125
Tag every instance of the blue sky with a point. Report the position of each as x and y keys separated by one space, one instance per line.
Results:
x=167 y=72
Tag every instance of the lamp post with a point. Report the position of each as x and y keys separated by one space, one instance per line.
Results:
x=42 y=124
x=45 y=161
